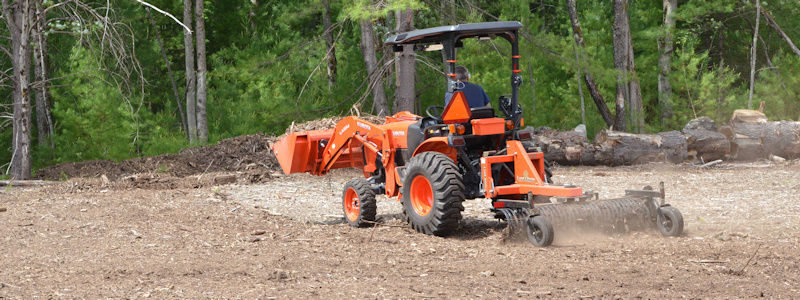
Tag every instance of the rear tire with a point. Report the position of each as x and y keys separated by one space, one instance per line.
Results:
x=358 y=203
x=432 y=194
x=539 y=231
x=670 y=221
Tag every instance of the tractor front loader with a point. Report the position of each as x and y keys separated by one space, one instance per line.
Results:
x=433 y=163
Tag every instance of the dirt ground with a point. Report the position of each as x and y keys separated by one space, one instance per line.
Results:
x=282 y=238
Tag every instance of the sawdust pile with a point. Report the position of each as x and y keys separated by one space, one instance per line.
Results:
x=329 y=123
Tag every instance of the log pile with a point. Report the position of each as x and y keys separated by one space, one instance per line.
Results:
x=753 y=137
x=748 y=136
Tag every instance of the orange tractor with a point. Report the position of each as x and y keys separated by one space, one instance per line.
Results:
x=434 y=163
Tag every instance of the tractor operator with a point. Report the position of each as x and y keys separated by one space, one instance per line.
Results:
x=476 y=96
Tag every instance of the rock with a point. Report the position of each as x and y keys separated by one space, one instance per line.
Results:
x=2 y=209
x=701 y=123
x=259 y=232
x=776 y=158
x=487 y=273
x=225 y=179
x=279 y=274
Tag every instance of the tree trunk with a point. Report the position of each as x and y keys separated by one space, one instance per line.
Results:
x=330 y=47
x=580 y=87
x=628 y=91
x=753 y=56
x=665 y=61
x=371 y=61
x=404 y=65
x=636 y=104
x=785 y=37
x=169 y=73
x=200 y=31
x=191 y=84
x=44 y=118
x=19 y=19
x=620 y=62
x=577 y=33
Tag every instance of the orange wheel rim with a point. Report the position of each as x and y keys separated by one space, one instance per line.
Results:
x=351 y=204
x=421 y=195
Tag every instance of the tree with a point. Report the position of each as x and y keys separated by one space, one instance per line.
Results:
x=577 y=34
x=371 y=61
x=329 y=44
x=753 y=56
x=628 y=91
x=19 y=18
x=200 y=29
x=191 y=76
x=665 y=46
x=174 y=86
x=405 y=61
x=44 y=118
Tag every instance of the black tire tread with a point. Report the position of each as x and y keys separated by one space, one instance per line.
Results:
x=547 y=230
x=367 y=204
x=677 y=221
x=448 y=189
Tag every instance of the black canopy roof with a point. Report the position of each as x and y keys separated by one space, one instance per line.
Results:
x=436 y=34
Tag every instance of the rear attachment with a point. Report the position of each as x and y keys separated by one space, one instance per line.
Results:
x=638 y=210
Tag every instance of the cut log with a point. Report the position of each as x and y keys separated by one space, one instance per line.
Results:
x=706 y=145
x=748 y=116
x=753 y=137
x=630 y=149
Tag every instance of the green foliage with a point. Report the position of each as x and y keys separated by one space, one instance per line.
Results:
x=267 y=68
x=94 y=119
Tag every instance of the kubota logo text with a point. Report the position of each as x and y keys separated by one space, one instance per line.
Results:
x=344 y=128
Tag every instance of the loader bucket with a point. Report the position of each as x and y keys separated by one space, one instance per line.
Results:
x=298 y=152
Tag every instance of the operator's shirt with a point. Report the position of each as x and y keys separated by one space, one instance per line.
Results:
x=476 y=96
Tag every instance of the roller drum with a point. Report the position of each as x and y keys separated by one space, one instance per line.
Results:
x=612 y=215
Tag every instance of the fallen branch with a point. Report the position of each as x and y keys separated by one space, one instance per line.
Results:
x=13 y=183
x=711 y=163
x=748 y=261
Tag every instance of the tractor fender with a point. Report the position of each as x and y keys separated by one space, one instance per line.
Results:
x=437 y=144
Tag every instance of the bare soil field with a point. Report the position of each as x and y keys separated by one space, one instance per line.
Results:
x=164 y=236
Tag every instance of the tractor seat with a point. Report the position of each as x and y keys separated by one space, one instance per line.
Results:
x=482 y=112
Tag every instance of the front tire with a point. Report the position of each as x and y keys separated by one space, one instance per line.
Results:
x=432 y=194
x=358 y=203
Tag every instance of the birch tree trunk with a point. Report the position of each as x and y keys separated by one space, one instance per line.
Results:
x=753 y=56
x=200 y=31
x=44 y=118
x=330 y=48
x=404 y=65
x=577 y=33
x=665 y=61
x=191 y=88
x=19 y=19
x=371 y=61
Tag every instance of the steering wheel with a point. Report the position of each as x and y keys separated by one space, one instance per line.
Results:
x=435 y=111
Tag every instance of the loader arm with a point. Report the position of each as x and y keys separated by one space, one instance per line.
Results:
x=350 y=133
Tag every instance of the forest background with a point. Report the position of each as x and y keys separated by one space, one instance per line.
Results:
x=111 y=79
